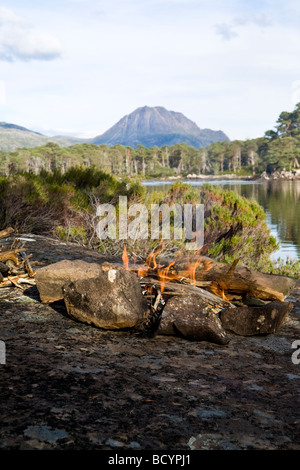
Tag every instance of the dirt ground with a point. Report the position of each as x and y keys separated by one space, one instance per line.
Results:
x=71 y=386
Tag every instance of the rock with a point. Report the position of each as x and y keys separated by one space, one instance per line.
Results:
x=193 y=318
x=51 y=279
x=1 y=277
x=4 y=269
x=112 y=300
x=44 y=433
x=249 y=321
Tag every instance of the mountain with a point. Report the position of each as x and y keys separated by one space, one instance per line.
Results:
x=156 y=126
x=5 y=125
x=13 y=137
x=147 y=126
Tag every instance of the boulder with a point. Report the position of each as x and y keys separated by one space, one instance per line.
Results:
x=249 y=321
x=192 y=317
x=112 y=300
x=4 y=269
x=50 y=279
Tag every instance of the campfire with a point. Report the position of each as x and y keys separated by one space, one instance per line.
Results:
x=161 y=279
x=219 y=288
x=189 y=294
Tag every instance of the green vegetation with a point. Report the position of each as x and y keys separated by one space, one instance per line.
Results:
x=278 y=149
x=13 y=137
x=235 y=227
x=289 y=267
x=64 y=205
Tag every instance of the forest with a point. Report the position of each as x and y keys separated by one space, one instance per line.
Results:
x=278 y=149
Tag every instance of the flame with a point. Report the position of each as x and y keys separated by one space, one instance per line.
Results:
x=223 y=295
x=193 y=265
x=165 y=276
x=125 y=258
x=218 y=288
x=150 y=262
x=223 y=287
x=192 y=270
x=167 y=273
x=207 y=265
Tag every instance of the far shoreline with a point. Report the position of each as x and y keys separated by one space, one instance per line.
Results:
x=264 y=177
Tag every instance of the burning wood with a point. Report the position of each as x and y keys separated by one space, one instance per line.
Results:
x=15 y=267
x=161 y=280
x=215 y=283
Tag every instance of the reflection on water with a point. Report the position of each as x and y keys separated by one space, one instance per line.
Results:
x=280 y=200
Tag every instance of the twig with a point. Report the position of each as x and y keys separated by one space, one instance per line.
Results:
x=157 y=300
x=232 y=267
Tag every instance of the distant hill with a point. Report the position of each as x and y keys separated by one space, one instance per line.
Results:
x=156 y=126
x=6 y=125
x=13 y=137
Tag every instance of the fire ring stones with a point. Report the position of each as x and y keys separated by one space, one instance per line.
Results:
x=112 y=300
x=194 y=319
x=110 y=297
x=249 y=321
x=51 y=279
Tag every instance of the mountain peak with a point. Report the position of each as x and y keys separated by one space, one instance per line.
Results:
x=156 y=126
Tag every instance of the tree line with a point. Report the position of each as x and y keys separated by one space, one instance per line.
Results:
x=278 y=149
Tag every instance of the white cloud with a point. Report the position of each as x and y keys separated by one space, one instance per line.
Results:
x=225 y=65
x=225 y=30
x=19 y=40
x=8 y=18
x=229 y=30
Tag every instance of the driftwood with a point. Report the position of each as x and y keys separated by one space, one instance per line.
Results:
x=15 y=268
x=10 y=255
x=16 y=281
x=6 y=233
x=244 y=281
x=223 y=280
x=174 y=289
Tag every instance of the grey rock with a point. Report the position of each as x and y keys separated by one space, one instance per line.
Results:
x=113 y=300
x=248 y=321
x=192 y=317
x=115 y=444
x=50 y=279
x=4 y=269
x=210 y=413
x=45 y=433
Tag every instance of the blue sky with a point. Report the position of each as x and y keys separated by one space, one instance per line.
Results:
x=78 y=66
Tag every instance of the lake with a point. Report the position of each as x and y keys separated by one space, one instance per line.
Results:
x=280 y=200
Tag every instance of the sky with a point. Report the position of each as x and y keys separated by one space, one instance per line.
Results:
x=76 y=67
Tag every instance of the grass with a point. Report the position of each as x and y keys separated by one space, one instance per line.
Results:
x=285 y=267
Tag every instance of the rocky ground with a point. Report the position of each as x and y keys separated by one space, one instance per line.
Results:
x=67 y=385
